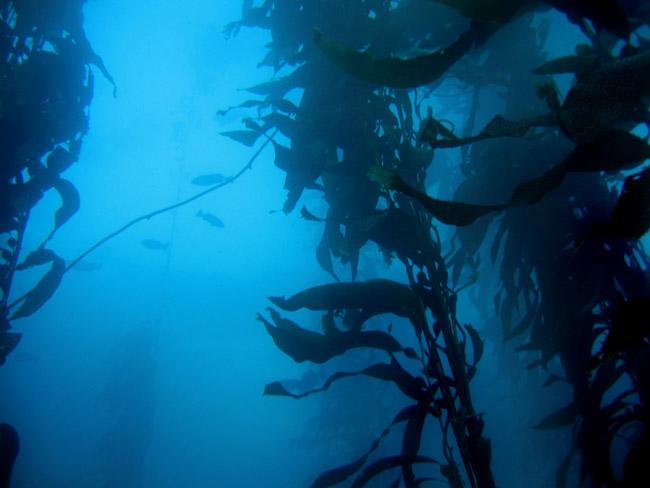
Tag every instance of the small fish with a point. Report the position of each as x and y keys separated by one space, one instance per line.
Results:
x=209 y=179
x=154 y=244
x=87 y=266
x=213 y=220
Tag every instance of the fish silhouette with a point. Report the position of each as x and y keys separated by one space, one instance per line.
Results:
x=155 y=245
x=211 y=219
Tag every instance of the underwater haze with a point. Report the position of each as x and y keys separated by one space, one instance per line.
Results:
x=423 y=213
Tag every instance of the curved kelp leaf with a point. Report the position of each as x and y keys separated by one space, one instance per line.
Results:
x=338 y=475
x=397 y=72
x=409 y=385
x=374 y=297
x=411 y=442
x=61 y=159
x=70 y=204
x=245 y=137
x=323 y=254
x=8 y=342
x=43 y=291
x=560 y=418
x=37 y=258
x=276 y=89
x=387 y=463
x=303 y=164
x=307 y=215
x=452 y=213
x=477 y=344
x=577 y=65
x=304 y=345
x=611 y=151
x=534 y=190
x=497 y=127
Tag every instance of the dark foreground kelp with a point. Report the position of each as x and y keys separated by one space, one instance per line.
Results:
x=542 y=230
x=46 y=87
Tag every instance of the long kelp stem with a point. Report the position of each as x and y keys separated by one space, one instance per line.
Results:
x=155 y=213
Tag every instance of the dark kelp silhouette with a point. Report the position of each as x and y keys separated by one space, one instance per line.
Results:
x=604 y=99
x=631 y=216
x=452 y=213
x=372 y=297
x=47 y=87
x=9 y=446
x=553 y=299
x=497 y=127
x=303 y=345
x=397 y=72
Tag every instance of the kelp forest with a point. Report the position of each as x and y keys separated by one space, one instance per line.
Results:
x=475 y=171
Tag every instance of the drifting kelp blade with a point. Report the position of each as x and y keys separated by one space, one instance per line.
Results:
x=43 y=291
x=246 y=104
x=70 y=203
x=396 y=72
x=454 y=213
x=451 y=213
x=246 y=137
x=611 y=151
x=560 y=418
x=477 y=344
x=502 y=127
x=392 y=372
x=323 y=254
x=379 y=295
x=61 y=159
x=304 y=345
x=566 y=65
x=338 y=475
x=387 y=463
x=37 y=258
x=411 y=442
x=497 y=127
x=534 y=190
x=307 y=215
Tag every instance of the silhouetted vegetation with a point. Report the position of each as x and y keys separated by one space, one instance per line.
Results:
x=553 y=219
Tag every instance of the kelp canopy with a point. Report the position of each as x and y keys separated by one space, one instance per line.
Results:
x=551 y=200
